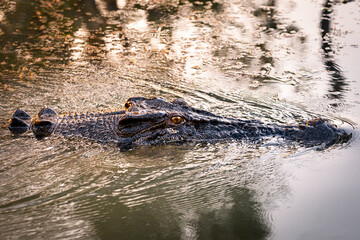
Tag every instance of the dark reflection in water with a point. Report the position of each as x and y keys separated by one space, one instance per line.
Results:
x=268 y=12
x=268 y=16
x=241 y=221
x=338 y=80
x=111 y=5
x=36 y=32
x=200 y=5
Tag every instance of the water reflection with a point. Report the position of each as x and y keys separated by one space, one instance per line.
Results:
x=123 y=31
x=173 y=199
x=110 y=195
x=80 y=55
x=268 y=13
x=170 y=220
x=205 y=4
x=131 y=32
x=338 y=80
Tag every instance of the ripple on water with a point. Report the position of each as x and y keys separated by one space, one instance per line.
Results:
x=75 y=182
x=233 y=58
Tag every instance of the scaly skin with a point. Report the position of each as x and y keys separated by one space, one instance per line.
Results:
x=156 y=121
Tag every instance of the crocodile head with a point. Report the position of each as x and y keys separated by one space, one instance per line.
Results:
x=157 y=121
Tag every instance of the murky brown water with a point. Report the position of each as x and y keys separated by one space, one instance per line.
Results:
x=277 y=61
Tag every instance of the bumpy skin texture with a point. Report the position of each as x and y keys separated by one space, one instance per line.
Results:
x=156 y=121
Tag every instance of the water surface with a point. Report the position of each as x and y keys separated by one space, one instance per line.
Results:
x=276 y=61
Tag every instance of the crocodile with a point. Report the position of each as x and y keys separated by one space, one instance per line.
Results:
x=156 y=121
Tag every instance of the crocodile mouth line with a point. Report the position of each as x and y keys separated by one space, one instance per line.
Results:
x=158 y=125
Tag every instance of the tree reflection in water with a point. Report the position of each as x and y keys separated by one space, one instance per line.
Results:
x=240 y=218
x=337 y=78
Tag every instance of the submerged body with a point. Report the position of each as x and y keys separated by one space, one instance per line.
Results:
x=156 y=121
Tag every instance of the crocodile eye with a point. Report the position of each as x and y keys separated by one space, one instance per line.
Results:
x=177 y=119
x=128 y=105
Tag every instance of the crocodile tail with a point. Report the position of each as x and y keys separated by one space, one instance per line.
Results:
x=44 y=122
x=19 y=123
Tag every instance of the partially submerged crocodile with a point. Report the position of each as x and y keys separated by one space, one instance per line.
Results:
x=156 y=121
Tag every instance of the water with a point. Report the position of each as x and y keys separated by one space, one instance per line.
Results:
x=276 y=61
